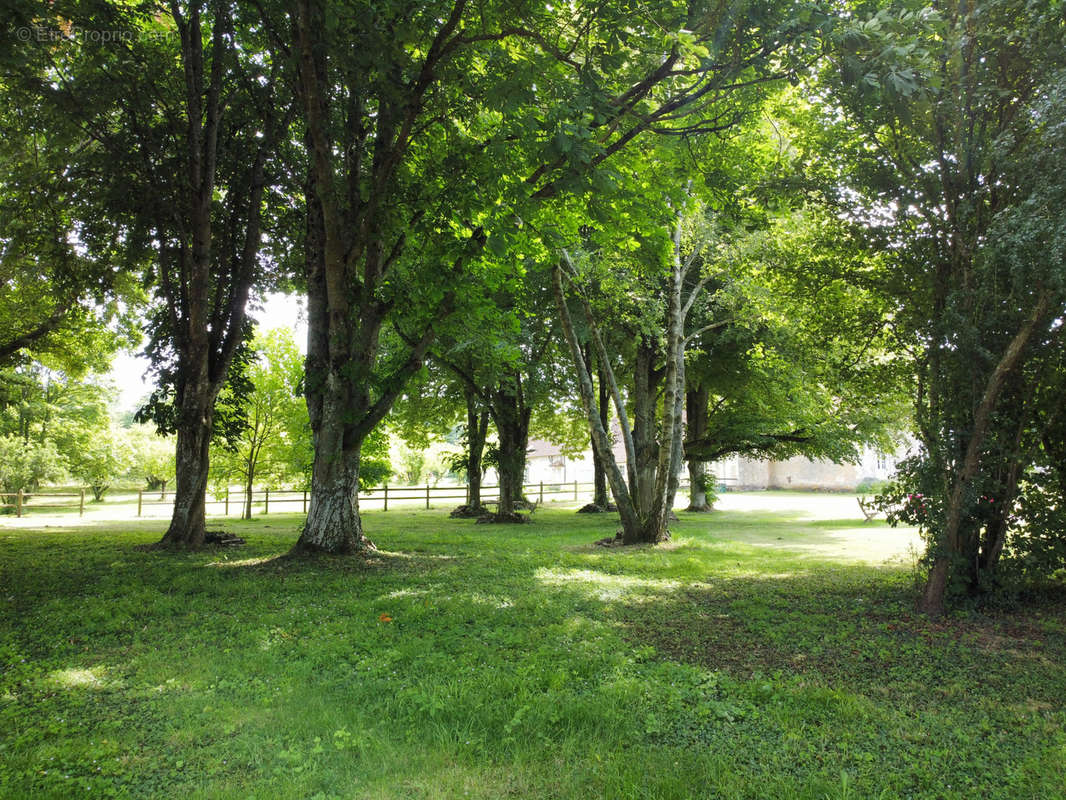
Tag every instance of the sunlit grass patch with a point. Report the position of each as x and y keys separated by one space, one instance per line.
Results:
x=79 y=678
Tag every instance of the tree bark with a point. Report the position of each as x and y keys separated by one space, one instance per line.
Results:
x=933 y=595
x=696 y=404
x=697 y=493
x=670 y=449
x=333 y=521
x=653 y=463
x=477 y=422
x=188 y=523
x=646 y=382
x=512 y=425
x=351 y=244
x=601 y=441
x=600 y=496
x=248 y=483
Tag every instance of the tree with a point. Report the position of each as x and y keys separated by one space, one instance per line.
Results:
x=273 y=407
x=45 y=405
x=433 y=407
x=439 y=125
x=507 y=366
x=60 y=302
x=653 y=442
x=180 y=119
x=107 y=457
x=152 y=457
x=24 y=466
x=63 y=426
x=798 y=358
x=943 y=115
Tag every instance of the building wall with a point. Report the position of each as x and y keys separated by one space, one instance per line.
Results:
x=735 y=472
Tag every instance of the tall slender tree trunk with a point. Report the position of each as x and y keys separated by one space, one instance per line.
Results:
x=477 y=424
x=654 y=463
x=696 y=402
x=600 y=439
x=600 y=496
x=646 y=382
x=249 y=482
x=601 y=499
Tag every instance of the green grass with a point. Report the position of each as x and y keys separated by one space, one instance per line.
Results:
x=751 y=657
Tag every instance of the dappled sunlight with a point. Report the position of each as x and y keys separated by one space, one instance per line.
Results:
x=840 y=539
x=79 y=678
x=495 y=601
x=854 y=545
x=605 y=586
x=169 y=685
x=400 y=554
x=241 y=562
x=402 y=593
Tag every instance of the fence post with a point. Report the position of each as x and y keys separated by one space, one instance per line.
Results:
x=427 y=497
x=81 y=504
x=266 y=502
x=575 y=491
x=18 y=504
x=140 y=500
x=305 y=501
x=225 y=508
x=386 y=498
x=541 y=492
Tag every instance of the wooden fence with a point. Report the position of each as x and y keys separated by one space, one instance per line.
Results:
x=19 y=500
x=293 y=500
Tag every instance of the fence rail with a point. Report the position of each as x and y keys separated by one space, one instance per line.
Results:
x=263 y=500
x=378 y=496
x=21 y=498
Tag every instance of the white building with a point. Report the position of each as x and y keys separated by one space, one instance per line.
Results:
x=546 y=463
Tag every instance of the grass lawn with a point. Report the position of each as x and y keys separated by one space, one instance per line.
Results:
x=755 y=656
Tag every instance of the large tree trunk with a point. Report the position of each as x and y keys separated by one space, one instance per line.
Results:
x=351 y=245
x=697 y=492
x=512 y=426
x=333 y=522
x=188 y=523
x=336 y=400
